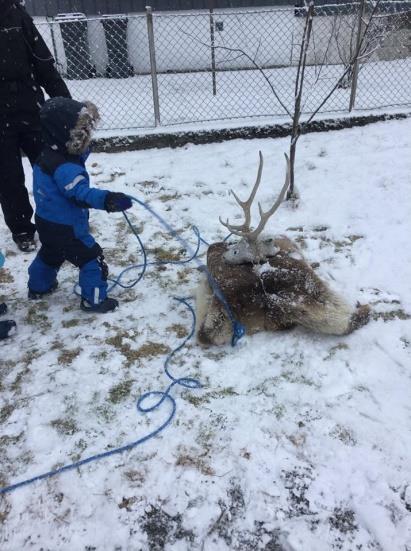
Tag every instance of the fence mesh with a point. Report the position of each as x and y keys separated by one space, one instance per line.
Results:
x=232 y=64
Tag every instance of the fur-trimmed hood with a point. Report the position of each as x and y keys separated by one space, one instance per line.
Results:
x=68 y=124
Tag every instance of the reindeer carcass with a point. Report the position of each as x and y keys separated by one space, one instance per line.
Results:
x=268 y=284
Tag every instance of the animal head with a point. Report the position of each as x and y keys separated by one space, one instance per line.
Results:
x=250 y=248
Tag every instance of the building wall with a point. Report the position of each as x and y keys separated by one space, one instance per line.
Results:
x=182 y=41
x=51 y=8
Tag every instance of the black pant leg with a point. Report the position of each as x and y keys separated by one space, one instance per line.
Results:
x=59 y=243
x=14 y=198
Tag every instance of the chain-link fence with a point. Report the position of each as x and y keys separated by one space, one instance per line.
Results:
x=172 y=68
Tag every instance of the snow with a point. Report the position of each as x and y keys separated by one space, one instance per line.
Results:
x=297 y=441
x=127 y=103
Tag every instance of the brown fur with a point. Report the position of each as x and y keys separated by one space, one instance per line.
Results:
x=283 y=292
x=80 y=135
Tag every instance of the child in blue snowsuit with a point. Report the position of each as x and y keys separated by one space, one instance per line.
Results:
x=63 y=196
x=7 y=327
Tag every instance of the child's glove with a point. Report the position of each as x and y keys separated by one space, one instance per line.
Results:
x=1 y=259
x=116 y=202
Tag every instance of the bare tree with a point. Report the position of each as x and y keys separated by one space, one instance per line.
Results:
x=351 y=66
x=347 y=30
x=368 y=38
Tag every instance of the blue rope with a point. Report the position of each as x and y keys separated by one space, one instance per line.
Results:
x=117 y=281
x=186 y=382
x=237 y=328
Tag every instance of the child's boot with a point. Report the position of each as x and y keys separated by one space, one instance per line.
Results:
x=7 y=328
x=108 y=305
x=93 y=284
x=38 y=295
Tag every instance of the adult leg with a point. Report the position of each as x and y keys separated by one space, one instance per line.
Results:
x=31 y=140
x=14 y=198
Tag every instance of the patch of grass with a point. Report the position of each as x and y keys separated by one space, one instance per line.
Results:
x=126 y=503
x=392 y=315
x=163 y=529
x=25 y=361
x=165 y=255
x=101 y=356
x=196 y=400
x=9 y=440
x=36 y=317
x=151 y=349
x=66 y=357
x=169 y=197
x=295 y=378
x=183 y=275
x=198 y=463
x=334 y=349
x=67 y=427
x=345 y=435
x=179 y=330
x=405 y=342
x=80 y=446
x=70 y=323
x=279 y=411
x=106 y=412
x=5 y=412
x=16 y=384
x=31 y=355
x=135 y=476
x=5 y=508
x=148 y=184
x=120 y=392
x=6 y=277
x=343 y=520
x=147 y=350
x=297 y=481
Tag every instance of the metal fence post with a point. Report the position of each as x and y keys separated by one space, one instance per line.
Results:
x=212 y=37
x=153 y=66
x=356 y=64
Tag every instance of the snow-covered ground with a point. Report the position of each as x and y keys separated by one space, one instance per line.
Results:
x=297 y=441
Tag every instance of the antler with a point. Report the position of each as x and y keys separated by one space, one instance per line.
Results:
x=244 y=228
x=265 y=216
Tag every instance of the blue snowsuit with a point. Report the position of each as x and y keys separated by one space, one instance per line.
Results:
x=63 y=196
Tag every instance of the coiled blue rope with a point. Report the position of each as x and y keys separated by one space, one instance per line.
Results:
x=163 y=396
x=187 y=382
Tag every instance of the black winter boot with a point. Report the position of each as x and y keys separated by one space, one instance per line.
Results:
x=108 y=305
x=37 y=295
x=7 y=328
x=3 y=309
x=25 y=242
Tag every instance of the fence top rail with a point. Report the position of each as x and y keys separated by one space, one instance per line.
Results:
x=402 y=7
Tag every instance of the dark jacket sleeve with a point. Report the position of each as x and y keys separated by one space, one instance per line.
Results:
x=45 y=71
